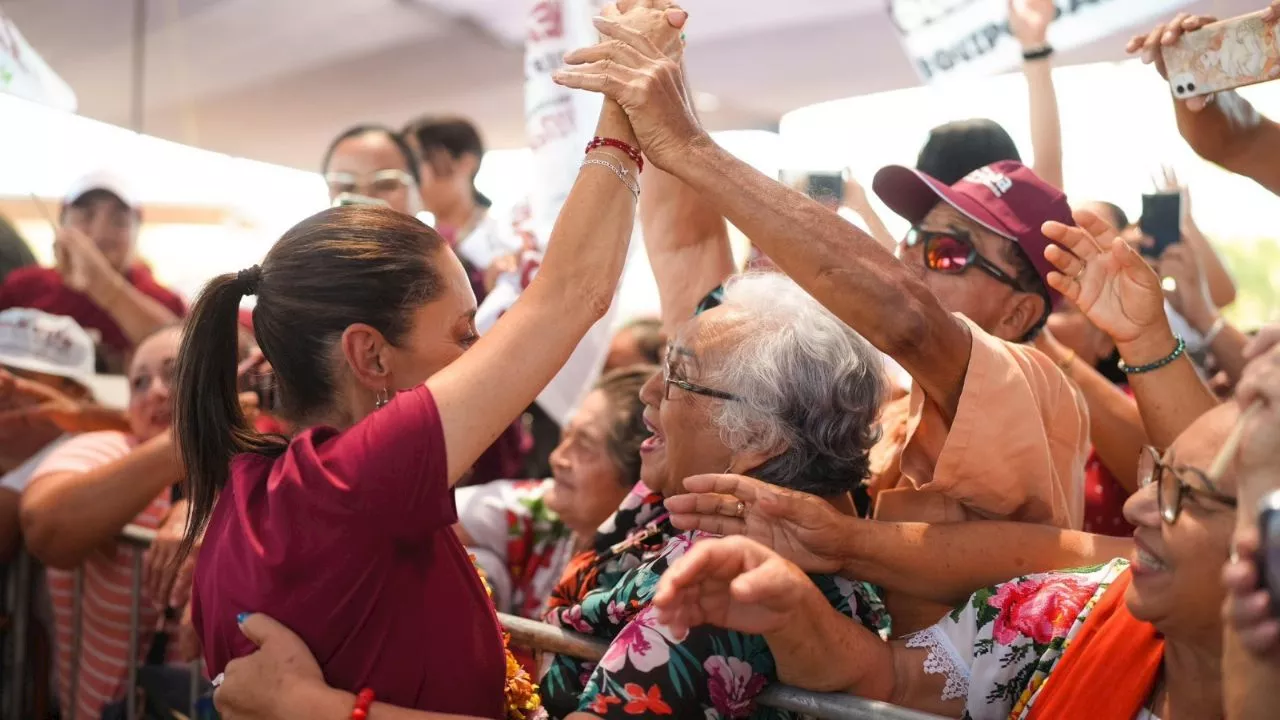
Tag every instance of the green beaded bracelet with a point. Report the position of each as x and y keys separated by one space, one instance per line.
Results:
x=1178 y=351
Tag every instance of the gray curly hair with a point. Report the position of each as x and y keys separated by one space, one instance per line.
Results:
x=808 y=386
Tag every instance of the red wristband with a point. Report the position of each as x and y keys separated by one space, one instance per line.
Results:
x=630 y=150
x=363 y=700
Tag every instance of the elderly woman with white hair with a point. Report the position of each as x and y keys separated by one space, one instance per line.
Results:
x=768 y=384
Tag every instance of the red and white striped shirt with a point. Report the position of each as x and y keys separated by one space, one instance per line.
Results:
x=108 y=582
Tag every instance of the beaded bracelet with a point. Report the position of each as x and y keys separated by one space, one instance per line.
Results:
x=1178 y=351
x=630 y=150
x=363 y=701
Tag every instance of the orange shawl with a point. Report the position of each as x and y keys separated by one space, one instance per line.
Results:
x=1108 y=669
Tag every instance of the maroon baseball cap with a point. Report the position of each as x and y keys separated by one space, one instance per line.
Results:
x=1006 y=198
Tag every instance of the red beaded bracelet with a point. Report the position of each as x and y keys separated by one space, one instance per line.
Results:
x=363 y=701
x=630 y=150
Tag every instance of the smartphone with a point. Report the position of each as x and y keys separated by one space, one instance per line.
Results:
x=1223 y=56
x=826 y=187
x=1269 y=547
x=354 y=199
x=1161 y=221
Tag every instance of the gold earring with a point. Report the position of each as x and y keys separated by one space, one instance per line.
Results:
x=381 y=399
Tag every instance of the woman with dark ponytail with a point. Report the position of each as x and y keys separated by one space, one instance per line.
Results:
x=344 y=532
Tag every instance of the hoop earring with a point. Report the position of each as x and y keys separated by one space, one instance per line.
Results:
x=381 y=399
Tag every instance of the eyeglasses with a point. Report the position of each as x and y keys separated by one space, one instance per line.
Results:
x=1172 y=486
x=379 y=184
x=953 y=252
x=668 y=371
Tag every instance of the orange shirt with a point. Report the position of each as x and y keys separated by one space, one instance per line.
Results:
x=1015 y=450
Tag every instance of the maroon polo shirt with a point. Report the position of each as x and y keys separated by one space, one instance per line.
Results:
x=42 y=289
x=347 y=538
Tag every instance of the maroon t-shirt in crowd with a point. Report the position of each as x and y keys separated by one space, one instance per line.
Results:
x=347 y=539
x=43 y=289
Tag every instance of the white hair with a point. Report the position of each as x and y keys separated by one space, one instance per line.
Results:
x=809 y=387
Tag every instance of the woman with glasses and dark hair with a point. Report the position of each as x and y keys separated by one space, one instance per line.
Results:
x=372 y=164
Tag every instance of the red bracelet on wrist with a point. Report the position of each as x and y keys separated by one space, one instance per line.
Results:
x=363 y=700
x=630 y=150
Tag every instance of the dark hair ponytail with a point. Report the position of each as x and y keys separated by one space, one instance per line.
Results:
x=344 y=265
x=209 y=426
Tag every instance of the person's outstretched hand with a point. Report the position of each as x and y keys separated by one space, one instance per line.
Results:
x=1106 y=279
x=802 y=528
x=632 y=69
x=1029 y=21
x=261 y=686
x=732 y=583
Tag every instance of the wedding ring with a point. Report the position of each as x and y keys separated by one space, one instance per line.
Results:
x=217 y=681
x=742 y=509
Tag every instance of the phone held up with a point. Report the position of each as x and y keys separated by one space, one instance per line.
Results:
x=826 y=188
x=1226 y=55
x=1161 y=221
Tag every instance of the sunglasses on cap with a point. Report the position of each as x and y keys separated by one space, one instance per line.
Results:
x=952 y=252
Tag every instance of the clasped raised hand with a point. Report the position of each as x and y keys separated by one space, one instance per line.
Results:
x=637 y=65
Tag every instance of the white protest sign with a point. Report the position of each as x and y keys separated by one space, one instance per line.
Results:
x=954 y=38
x=25 y=74
x=559 y=123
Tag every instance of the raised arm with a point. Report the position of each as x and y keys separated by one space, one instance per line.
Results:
x=1120 y=293
x=687 y=243
x=84 y=268
x=1029 y=21
x=834 y=261
x=67 y=515
x=943 y=563
x=1192 y=297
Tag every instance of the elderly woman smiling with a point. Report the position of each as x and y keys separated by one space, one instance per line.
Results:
x=768 y=384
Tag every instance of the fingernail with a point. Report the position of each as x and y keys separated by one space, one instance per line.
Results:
x=241 y=618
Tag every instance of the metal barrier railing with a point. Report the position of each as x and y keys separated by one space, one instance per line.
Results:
x=524 y=633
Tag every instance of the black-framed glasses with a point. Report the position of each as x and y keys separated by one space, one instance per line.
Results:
x=952 y=252
x=669 y=379
x=1172 y=486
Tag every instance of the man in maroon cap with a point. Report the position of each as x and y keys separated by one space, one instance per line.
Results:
x=98 y=280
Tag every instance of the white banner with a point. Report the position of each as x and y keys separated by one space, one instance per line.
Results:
x=559 y=122
x=25 y=74
x=952 y=38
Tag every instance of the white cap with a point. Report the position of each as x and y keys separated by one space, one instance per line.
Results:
x=36 y=341
x=101 y=180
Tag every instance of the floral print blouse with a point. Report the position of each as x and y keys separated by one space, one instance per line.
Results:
x=998 y=649
x=649 y=670
x=520 y=543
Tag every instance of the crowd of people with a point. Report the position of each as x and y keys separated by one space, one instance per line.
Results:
x=1009 y=465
